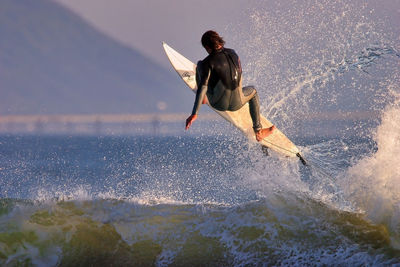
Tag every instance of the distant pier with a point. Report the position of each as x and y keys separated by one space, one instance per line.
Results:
x=94 y=123
x=153 y=124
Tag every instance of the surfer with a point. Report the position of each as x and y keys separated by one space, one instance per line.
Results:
x=219 y=81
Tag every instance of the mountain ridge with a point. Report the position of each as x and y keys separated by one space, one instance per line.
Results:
x=54 y=62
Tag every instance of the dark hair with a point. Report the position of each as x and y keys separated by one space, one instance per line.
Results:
x=212 y=40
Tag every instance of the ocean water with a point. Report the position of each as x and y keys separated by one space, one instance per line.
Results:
x=214 y=199
x=202 y=201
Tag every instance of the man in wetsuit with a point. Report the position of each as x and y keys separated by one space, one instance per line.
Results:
x=219 y=81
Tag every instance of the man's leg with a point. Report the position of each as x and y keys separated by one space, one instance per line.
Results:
x=254 y=105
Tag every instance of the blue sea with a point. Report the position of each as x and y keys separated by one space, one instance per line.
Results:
x=195 y=201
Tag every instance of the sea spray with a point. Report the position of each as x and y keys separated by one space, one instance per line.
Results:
x=311 y=60
x=316 y=57
x=373 y=183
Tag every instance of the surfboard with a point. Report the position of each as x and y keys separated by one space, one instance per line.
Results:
x=241 y=119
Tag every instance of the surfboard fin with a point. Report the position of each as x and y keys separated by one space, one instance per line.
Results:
x=302 y=159
x=265 y=150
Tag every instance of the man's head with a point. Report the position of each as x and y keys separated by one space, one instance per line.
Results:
x=211 y=41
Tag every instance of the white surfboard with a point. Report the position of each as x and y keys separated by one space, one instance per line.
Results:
x=276 y=141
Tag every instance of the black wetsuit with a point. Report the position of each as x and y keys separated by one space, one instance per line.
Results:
x=219 y=76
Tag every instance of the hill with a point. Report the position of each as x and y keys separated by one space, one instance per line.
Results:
x=53 y=62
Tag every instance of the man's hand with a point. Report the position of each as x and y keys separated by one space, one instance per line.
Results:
x=190 y=120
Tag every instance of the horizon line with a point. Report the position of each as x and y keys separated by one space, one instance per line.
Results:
x=163 y=117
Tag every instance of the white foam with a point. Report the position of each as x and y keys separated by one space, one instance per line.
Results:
x=373 y=183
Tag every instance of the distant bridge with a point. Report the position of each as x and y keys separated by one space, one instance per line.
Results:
x=94 y=123
x=168 y=117
x=133 y=123
x=104 y=118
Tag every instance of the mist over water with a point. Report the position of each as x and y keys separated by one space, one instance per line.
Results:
x=218 y=200
x=307 y=57
x=314 y=57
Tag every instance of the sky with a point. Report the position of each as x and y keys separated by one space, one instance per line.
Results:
x=145 y=24
x=280 y=42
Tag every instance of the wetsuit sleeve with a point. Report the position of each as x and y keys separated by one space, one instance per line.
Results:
x=202 y=86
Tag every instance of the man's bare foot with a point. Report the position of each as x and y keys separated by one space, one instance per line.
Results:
x=205 y=100
x=261 y=134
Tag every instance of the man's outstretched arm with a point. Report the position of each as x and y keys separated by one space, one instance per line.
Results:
x=200 y=97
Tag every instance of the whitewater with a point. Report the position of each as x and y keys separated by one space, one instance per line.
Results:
x=217 y=200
